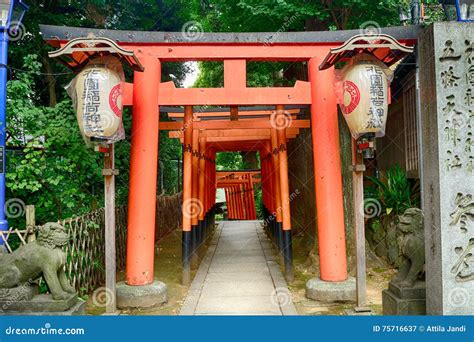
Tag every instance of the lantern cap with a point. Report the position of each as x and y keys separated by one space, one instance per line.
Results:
x=382 y=46
x=79 y=51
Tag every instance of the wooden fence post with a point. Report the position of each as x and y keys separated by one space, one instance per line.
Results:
x=30 y=223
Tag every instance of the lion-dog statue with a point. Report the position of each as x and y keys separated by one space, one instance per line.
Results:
x=42 y=257
x=412 y=247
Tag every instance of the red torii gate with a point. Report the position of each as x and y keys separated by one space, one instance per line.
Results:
x=148 y=93
x=239 y=184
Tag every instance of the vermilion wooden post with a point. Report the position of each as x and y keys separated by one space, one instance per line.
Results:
x=267 y=151
x=227 y=202
x=243 y=195
x=328 y=179
x=231 y=206
x=195 y=200
x=143 y=172
x=251 y=198
x=277 y=194
x=283 y=169
x=209 y=176
x=232 y=203
x=237 y=200
x=207 y=191
x=234 y=206
x=213 y=188
x=246 y=195
x=202 y=183
x=187 y=193
x=264 y=181
x=244 y=202
x=285 y=195
x=241 y=202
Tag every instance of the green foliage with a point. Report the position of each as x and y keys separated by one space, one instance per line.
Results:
x=52 y=168
x=395 y=192
x=375 y=225
x=229 y=161
x=259 y=203
x=170 y=153
x=49 y=164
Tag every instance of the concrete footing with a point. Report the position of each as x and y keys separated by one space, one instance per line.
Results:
x=143 y=296
x=328 y=291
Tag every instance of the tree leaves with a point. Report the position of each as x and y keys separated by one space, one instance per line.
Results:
x=48 y=164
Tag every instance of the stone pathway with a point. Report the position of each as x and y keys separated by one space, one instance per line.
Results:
x=239 y=275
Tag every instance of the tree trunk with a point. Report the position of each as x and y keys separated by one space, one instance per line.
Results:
x=51 y=82
x=250 y=159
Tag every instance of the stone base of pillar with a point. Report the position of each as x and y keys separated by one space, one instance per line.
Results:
x=329 y=291
x=143 y=296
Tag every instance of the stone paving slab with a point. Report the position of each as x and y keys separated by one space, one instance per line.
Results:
x=240 y=267
x=225 y=253
x=238 y=305
x=239 y=276
x=236 y=244
x=240 y=259
x=238 y=288
x=234 y=276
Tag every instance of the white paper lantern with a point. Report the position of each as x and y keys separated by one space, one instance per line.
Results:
x=97 y=94
x=365 y=96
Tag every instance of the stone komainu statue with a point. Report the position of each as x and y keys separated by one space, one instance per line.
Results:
x=412 y=247
x=43 y=257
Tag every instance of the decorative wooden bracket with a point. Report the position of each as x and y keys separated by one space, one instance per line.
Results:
x=78 y=52
x=382 y=46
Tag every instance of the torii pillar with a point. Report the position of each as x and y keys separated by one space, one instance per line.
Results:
x=334 y=283
x=140 y=289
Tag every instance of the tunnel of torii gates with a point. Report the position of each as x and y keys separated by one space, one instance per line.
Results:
x=203 y=134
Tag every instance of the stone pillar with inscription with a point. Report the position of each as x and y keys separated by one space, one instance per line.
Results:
x=446 y=56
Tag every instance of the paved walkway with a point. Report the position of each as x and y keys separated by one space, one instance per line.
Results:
x=239 y=275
